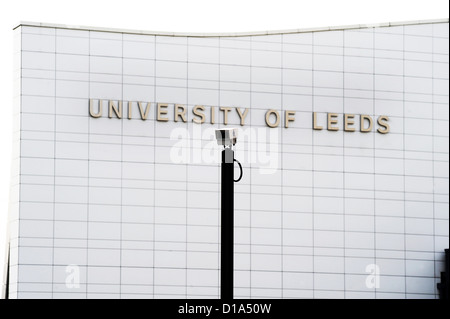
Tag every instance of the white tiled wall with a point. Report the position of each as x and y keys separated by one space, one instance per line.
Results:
x=99 y=199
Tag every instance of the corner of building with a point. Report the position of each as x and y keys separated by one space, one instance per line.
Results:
x=9 y=283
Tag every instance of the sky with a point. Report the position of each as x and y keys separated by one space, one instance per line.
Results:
x=201 y=16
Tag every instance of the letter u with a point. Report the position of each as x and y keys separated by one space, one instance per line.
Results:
x=91 y=107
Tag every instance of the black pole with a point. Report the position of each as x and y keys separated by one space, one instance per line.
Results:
x=7 y=272
x=227 y=219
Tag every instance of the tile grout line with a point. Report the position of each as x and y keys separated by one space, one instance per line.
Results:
x=219 y=197
x=343 y=156
x=404 y=169
x=374 y=162
x=154 y=171
x=344 y=171
x=323 y=153
x=250 y=189
x=282 y=171
x=121 y=173
x=54 y=170
x=88 y=168
x=313 y=171
x=433 y=160
x=186 y=173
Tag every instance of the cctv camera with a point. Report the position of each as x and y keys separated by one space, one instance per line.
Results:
x=227 y=136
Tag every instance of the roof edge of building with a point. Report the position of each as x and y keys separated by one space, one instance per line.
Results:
x=231 y=34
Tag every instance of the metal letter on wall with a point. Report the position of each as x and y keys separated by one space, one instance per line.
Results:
x=162 y=110
x=147 y=109
x=242 y=116
x=364 y=129
x=197 y=112
x=277 y=117
x=315 y=126
x=288 y=117
x=225 y=111
x=114 y=109
x=348 y=120
x=332 y=119
x=130 y=110
x=179 y=113
x=382 y=121
x=91 y=108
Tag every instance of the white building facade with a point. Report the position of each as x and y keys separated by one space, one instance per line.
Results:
x=343 y=138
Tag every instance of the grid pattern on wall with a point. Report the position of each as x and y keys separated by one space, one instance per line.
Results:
x=101 y=198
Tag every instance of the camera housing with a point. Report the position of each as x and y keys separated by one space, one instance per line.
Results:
x=226 y=136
